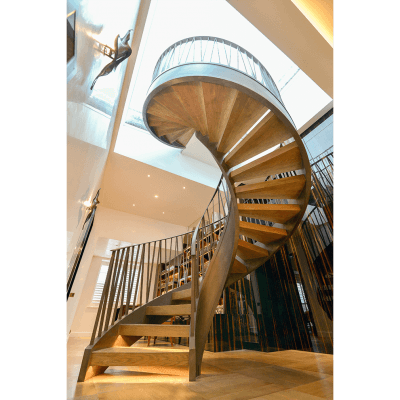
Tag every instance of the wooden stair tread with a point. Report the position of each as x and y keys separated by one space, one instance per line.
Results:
x=186 y=136
x=218 y=102
x=287 y=158
x=269 y=132
x=148 y=356
x=173 y=136
x=162 y=131
x=190 y=94
x=169 y=100
x=140 y=350
x=238 y=268
x=262 y=233
x=279 y=213
x=245 y=113
x=160 y=111
x=285 y=188
x=182 y=295
x=154 y=330
x=249 y=251
x=175 y=309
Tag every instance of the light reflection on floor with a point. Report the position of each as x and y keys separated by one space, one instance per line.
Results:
x=242 y=374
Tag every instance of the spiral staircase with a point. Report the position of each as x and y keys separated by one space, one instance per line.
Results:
x=217 y=91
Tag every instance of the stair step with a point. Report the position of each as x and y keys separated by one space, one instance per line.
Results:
x=154 y=330
x=269 y=132
x=171 y=137
x=148 y=356
x=238 y=268
x=284 y=159
x=172 y=310
x=153 y=120
x=249 y=251
x=169 y=100
x=279 y=213
x=261 y=233
x=285 y=188
x=160 y=111
x=186 y=136
x=160 y=123
x=245 y=113
x=162 y=131
x=190 y=94
x=218 y=101
x=182 y=295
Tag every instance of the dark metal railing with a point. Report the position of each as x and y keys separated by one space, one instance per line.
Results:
x=81 y=244
x=142 y=272
x=213 y=50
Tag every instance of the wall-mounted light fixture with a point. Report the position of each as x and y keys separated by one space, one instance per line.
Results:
x=121 y=52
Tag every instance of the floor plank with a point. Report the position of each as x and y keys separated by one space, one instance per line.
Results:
x=234 y=375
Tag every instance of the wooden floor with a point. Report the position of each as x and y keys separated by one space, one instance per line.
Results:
x=235 y=375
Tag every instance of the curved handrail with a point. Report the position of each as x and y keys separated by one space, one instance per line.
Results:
x=214 y=50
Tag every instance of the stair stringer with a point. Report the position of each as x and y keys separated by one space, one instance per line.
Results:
x=220 y=264
x=111 y=338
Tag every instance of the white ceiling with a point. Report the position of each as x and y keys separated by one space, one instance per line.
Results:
x=126 y=182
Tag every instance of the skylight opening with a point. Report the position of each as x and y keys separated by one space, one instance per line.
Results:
x=168 y=23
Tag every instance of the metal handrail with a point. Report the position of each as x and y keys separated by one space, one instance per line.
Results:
x=199 y=51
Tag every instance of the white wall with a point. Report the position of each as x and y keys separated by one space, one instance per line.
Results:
x=90 y=132
x=116 y=225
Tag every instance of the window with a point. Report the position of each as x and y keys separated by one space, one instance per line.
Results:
x=102 y=279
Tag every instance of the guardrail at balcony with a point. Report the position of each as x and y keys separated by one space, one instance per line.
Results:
x=213 y=50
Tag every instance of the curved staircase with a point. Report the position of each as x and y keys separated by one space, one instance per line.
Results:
x=232 y=105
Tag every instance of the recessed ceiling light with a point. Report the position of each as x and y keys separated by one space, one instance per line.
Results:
x=184 y=187
x=163 y=212
x=133 y=205
x=156 y=195
x=148 y=176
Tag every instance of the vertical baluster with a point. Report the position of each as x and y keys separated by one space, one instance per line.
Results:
x=103 y=299
x=158 y=267
x=107 y=296
x=131 y=280
x=137 y=267
x=118 y=288
x=151 y=272
x=112 y=291
x=142 y=274
x=169 y=263
x=165 y=267
x=122 y=287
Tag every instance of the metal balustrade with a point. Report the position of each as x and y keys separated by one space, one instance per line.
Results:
x=142 y=272
x=213 y=50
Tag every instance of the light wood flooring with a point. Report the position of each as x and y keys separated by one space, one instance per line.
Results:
x=235 y=375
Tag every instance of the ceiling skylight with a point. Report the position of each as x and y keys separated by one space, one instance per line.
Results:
x=173 y=20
